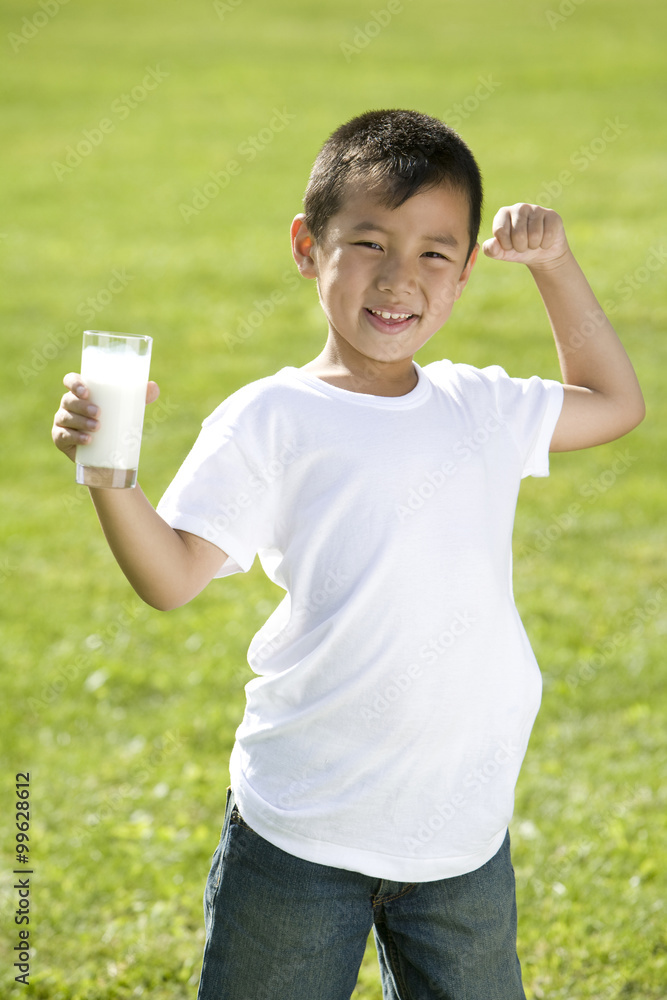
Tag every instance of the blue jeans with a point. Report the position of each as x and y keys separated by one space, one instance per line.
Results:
x=279 y=928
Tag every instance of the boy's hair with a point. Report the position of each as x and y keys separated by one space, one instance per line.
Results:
x=397 y=153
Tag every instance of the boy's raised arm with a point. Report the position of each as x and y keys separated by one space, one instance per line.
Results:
x=602 y=397
x=166 y=567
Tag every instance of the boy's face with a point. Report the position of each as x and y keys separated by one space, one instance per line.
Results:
x=372 y=260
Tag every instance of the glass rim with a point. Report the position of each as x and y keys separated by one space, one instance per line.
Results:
x=118 y=336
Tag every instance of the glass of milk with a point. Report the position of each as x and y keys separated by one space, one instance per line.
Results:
x=114 y=366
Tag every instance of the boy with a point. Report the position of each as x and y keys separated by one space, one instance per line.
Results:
x=373 y=772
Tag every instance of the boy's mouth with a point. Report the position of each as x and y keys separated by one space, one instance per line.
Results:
x=388 y=321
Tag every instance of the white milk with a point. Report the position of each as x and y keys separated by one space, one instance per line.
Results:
x=117 y=383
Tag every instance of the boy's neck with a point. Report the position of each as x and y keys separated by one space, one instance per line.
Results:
x=361 y=374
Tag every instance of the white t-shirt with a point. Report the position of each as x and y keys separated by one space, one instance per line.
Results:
x=396 y=687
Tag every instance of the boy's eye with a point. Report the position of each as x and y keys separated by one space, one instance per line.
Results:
x=433 y=254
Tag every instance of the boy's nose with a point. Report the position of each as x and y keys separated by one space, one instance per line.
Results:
x=396 y=276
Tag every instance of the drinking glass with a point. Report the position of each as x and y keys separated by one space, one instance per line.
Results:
x=114 y=366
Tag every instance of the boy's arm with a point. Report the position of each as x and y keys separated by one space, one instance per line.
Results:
x=602 y=398
x=166 y=567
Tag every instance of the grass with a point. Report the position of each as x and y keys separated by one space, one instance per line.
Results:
x=125 y=717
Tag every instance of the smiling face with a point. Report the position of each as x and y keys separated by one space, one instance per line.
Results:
x=387 y=278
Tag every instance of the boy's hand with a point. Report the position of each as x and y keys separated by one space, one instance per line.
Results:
x=77 y=417
x=528 y=234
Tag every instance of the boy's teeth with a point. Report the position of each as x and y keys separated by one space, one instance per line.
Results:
x=388 y=315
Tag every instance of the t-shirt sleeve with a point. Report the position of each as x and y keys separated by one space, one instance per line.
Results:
x=222 y=493
x=531 y=408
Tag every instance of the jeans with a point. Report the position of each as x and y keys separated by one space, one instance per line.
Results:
x=280 y=928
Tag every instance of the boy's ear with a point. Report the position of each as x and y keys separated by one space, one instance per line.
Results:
x=465 y=273
x=302 y=247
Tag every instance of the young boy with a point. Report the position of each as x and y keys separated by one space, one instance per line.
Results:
x=374 y=770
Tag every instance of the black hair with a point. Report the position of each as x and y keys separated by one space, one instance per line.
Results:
x=398 y=153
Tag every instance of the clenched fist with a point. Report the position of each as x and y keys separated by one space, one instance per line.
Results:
x=528 y=234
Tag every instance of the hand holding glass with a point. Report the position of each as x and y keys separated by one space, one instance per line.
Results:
x=114 y=366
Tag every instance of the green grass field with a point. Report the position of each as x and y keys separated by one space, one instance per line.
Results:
x=122 y=210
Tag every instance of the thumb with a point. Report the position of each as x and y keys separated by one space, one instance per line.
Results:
x=152 y=392
x=492 y=247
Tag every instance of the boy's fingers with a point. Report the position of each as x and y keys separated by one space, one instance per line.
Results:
x=522 y=229
x=66 y=439
x=76 y=420
x=553 y=225
x=535 y=226
x=526 y=227
x=80 y=421
x=79 y=389
x=519 y=227
x=75 y=383
x=502 y=228
x=73 y=404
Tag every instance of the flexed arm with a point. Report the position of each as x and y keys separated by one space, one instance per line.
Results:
x=602 y=397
